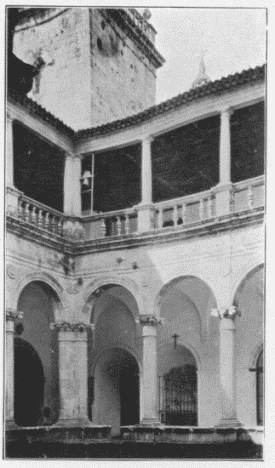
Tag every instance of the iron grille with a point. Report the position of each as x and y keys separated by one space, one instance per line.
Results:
x=178 y=397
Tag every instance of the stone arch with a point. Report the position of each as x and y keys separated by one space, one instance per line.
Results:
x=243 y=275
x=204 y=318
x=116 y=344
x=189 y=347
x=98 y=283
x=255 y=354
x=50 y=281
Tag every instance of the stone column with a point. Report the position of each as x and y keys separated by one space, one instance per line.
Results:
x=73 y=368
x=9 y=152
x=227 y=365
x=224 y=188
x=81 y=372
x=68 y=184
x=76 y=191
x=145 y=214
x=11 y=316
x=150 y=411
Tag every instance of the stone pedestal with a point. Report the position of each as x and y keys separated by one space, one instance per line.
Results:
x=12 y=201
x=227 y=366
x=11 y=316
x=149 y=407
x=145 y=217
x=73 y=374
x=223 y=195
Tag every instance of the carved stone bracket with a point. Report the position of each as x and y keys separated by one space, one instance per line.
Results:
x=14 y=315
x=226 y=312
x=12 y=271
x=151 y=320
x=70 y=327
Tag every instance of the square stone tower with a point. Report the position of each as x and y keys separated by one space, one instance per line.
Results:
x=96 y=65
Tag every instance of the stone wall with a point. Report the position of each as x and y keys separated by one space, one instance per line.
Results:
x=90 y=67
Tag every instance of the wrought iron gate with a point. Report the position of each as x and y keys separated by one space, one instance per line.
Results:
x=178 y=396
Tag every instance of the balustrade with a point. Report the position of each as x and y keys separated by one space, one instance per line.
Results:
x=39 y=215
x=248 y=194
x=115 y=223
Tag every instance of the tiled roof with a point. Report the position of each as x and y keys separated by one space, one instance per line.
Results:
x=39 y=111
x=229 y=83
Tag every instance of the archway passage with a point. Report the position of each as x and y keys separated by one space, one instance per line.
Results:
x=260 y=389
x=28 y=385
x=116 y=394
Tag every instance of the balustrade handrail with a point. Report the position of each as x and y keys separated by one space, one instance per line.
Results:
x=254 y=182
x=41 y=206
x=186 y=198
x=108 y=214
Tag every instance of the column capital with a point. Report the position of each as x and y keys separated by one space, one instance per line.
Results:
x=69 y=155
x=226 y=111
x=70 y=327
x=12 y=315
x=148 y=139
x=9 y=117
x=230 y=312
x=149 y=320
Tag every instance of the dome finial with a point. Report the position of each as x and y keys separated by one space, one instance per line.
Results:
x=202 y=77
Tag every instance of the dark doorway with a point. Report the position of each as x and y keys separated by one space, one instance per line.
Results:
x=129 y=394
x=28 y=385
x=260 y=389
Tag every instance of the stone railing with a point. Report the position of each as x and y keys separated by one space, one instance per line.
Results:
x=193 y=208
x=113 y=223
x=35 y=213
x=248 y=194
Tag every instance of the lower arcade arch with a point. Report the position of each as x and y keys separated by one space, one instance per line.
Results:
x=36 y=355
x=116 y=387
x=178 y=386
x=28 y=385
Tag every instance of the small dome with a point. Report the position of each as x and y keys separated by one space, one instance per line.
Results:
x=147 y=14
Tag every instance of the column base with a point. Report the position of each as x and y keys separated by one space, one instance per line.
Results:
x=85 y=422
x=228 y=423
x=150 y=422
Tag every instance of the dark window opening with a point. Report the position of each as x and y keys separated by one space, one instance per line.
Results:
x=117 y=182
x=247 y=142
x=38 y=168
x=186 y=160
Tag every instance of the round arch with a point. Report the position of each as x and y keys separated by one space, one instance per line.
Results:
x=243 y=275
x=50 y=282
x=173 y=281
x=255 y=354
x=116 y=344
x=129 y=285
x=189 y=347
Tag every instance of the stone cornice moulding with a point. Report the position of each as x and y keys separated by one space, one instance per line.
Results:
x=149 y=320
x=226 y=312
x=70 y=327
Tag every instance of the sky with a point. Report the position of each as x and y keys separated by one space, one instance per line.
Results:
x=230 y=39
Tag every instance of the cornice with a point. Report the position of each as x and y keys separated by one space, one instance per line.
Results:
x=162 y=236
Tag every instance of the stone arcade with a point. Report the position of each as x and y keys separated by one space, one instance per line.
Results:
x=135 y=240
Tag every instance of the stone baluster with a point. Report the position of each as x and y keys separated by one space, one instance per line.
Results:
x=47 y=221
x=127 y=224
x=209 y=207
x=160 y=218
x=103 y=227
x=33 y=215
x=73 y=374
x=184 y=213
x=227 y=365
x=201 y=209
x=40 y=219
x=149 y=410
x=250 y=198
x=27 y=213
x=118 y=225
x=11 y=317
x=175 y=215
x=59 y=227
